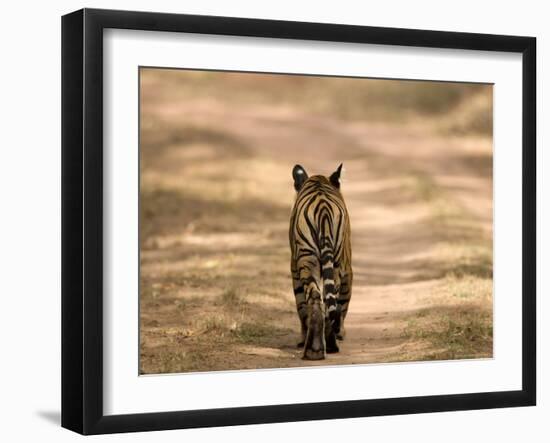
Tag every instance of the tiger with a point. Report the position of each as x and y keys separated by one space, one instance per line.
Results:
x=320 y=245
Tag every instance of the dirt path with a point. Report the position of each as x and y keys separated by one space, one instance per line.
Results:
x=215 y=286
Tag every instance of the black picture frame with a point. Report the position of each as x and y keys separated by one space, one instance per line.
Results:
x=82 y=220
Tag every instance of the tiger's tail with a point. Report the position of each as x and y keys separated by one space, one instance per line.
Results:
x=330 y=293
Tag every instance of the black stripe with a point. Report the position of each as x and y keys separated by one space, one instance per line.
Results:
x=328 y=273
x=326 y=257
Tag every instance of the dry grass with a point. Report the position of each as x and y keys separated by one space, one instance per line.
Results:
x=457 y=323
x=465 y=334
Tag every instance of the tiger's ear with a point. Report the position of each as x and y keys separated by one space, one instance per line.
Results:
x=300 y=176
x=335 y=177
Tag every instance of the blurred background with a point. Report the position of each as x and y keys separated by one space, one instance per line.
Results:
x=217 y=151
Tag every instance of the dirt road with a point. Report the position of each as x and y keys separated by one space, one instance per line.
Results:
x=216 y=194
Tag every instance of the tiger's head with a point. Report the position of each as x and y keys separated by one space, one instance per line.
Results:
x=301 y=177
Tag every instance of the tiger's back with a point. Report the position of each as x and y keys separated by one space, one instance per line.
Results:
x=320 y=242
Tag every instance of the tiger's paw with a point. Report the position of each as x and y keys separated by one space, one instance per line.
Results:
x=310 y=354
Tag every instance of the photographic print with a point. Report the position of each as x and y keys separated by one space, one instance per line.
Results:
x=299 y=220
x=252 y=204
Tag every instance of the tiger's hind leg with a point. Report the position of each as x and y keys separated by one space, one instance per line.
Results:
x=300 y=298
x=333 y=318
x=342 y=334
x=343 y=303
x=310 y=307
x=330 y=338
x=315 y=344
